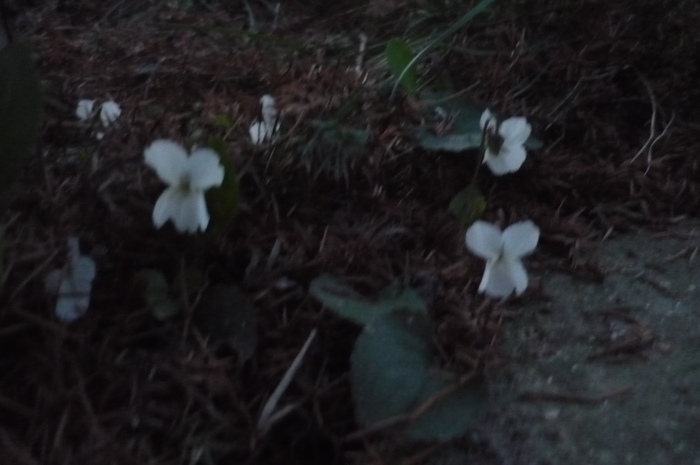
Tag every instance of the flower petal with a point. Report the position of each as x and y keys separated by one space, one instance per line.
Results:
x=497 y=163
x=110 y=112
x=487 y=118
x=519 y=239
x=205 y=169
x=497 y=280
x=84 y=109
x=512 y=157
x=515 y=131
x=484 y=240
x=192 y=214
x=258 y=132
x=167 y=206
x=518 y=275
x=168 y=159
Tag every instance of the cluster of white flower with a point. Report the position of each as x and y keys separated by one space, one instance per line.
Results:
x=503 y=152
x=188 y=176
x=109 y=111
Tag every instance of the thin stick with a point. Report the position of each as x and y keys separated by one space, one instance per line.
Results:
x=266 y=416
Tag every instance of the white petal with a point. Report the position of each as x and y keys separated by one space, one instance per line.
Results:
x=192 y=214
x=258 y=132
x=82 y=273
x=204 y=168
x=497 y=280
x=84 y=109
x=486 y=117
x=497 y=164
x=519 y=239
x=110 y=112
x=167 y=206
x=70 y=308
x=484 y=240
x=512 y=157
x=515 y=131
x=76 y=284
x=168 y=159
x=518 y=275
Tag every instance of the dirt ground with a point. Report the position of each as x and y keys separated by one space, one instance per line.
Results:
x=611 y=89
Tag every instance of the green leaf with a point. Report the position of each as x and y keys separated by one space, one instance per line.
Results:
x=399 y=56
x=347 y=303
x=457 y=25
x=225 y=315
x=468 y=205
x=223 y=201
x=448 y=143
x=466 y=132
x=222 y=121
x=392 y=374
x=20 y=113
x=155 y=293
x=390 y=364
x=453 y=415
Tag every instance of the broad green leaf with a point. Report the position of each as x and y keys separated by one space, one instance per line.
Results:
x=453 y=415
x=225 y=315
x=390 y=364
x=468 y=205
x=399 y=56
x=223 y=201
x=20 y=113
x=466 y=131
x=155 y=293
x=393 y=374
x=347 y=303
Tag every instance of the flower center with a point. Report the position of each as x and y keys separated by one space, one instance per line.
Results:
x=185 y=184
x=494 y=141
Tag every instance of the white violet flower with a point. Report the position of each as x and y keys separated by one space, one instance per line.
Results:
x=84 y=109
x=72 y=284
x=109 y=112
x=503 y=252
x=505 y=151
x=260 y=131
x=187 y=176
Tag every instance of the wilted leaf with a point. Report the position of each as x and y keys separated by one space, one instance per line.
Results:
x=399 y=56
x=20 y=111
x=347 y=303
x=155 y=293
x=468 y=205
x=223 y=201
x=226 y=315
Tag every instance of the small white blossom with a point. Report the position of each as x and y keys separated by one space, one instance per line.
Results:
x=84 y=109
x=109 y=112
x=260 y=131
x=187 y=176
x=72 y=284
x=503 y=252
x=505 y=151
